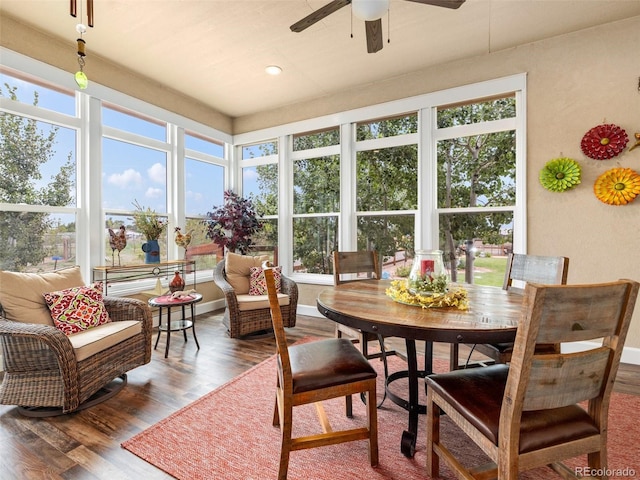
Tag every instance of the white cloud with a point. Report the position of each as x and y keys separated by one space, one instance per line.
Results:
x=158 y=173
x=126 y=178
x=153 y=192
x=249 y=174
x=196 y=196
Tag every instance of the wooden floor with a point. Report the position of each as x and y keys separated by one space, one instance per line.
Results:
x=86 y=445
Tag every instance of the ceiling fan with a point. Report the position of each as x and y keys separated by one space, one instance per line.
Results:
x=370 y=11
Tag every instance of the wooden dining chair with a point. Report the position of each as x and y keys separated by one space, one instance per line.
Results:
x=316 y=371
x=522 y=269
x=527 y=413
x=352 y=267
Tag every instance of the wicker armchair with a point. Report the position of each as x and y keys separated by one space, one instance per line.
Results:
x=240 y=320
x=41 y=368
x=45 y=375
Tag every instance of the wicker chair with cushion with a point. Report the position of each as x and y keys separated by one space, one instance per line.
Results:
x=247 y=311
x=48 y=372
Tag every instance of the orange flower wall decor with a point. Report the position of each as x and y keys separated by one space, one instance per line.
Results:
x=617 y=186
x=604 y=141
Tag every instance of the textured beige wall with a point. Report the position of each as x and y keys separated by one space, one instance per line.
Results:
x=575 y=82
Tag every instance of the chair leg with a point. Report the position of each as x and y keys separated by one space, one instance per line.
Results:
x=454 y=353
x=285 y=449
x=276 y=414
x=598 y=460
x=433 y=437
x=372 y=421
x=348 y=401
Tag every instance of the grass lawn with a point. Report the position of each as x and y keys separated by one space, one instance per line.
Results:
x=487 y=271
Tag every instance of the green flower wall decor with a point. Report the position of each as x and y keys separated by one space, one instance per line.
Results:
x=560 y=174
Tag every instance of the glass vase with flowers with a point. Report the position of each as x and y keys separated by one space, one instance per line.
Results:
x=428 y=274
x=152 y=226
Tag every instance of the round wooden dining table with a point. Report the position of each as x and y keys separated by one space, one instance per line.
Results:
x=492 y=317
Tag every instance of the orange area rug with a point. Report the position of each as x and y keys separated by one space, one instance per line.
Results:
x=227 y=435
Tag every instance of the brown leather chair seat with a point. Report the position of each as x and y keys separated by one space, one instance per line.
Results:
x=311 y=362
x=477 y=395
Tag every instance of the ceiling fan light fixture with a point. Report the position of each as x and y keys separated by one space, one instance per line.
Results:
x=368 y=10
x=273 y=70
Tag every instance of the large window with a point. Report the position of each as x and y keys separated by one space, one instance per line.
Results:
x=439 y=176
x=442 y=170
x=387 y=190
x=204 y=187
x=72 y=167
x=476 y=164
x=135 y=159
x=316 y=199
x=259 y=167
x=37 y=176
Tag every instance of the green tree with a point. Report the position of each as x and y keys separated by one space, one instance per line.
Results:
x=24 y=148
x=386 y=180
x=472 y=171
x=475 y=171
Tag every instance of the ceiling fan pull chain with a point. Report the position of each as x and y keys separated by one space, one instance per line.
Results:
x=351 y=13
x=389 y=26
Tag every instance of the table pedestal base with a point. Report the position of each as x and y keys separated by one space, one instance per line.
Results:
x=412 y=404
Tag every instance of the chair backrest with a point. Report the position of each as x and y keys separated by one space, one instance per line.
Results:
x=352 y=266
x=568 y=313
x=284 y=363
x=536 y=269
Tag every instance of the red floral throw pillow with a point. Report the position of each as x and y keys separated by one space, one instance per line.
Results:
x=258 y=284
x=76 y=309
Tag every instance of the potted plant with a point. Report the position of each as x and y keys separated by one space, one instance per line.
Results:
x=149 y=223
x=232 y=224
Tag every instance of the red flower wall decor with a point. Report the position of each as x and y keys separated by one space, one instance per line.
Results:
x=604 y=141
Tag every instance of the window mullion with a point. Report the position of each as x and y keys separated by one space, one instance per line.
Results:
x=285 y=203
x=347 y=229
x=90 y=216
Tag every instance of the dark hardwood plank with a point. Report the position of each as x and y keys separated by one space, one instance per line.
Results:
x=86 y=445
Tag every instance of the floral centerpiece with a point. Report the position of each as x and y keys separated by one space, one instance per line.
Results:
x=232 y=224
x=148 y=222
x=429 y=283
x=399 y=291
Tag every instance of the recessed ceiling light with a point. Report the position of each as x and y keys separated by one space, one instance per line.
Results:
x=273 y=70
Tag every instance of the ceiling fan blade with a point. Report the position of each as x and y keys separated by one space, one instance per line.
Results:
x=373 y=29
x=441 y=3
x=319 y=14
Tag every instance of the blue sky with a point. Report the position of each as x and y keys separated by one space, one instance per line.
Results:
x=130 y=172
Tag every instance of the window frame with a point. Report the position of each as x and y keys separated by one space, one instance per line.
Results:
x=89 y=212
x=427 y=213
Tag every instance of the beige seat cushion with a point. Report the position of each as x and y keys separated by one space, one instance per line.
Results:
x=96 y=339
x=21 y=294
x=237 y=268
x=255 y=302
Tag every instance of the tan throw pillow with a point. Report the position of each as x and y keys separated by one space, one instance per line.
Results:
x=77 y=309
x=22 y=294
x=238 y=269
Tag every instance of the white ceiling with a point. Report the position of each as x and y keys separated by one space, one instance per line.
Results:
x=216 y=50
